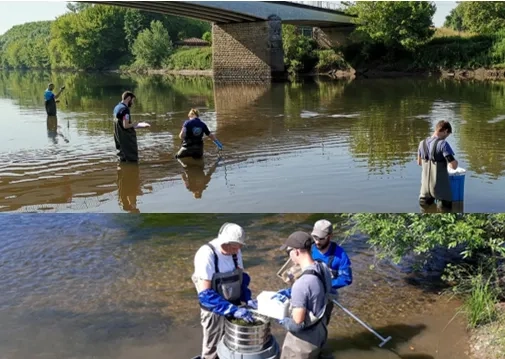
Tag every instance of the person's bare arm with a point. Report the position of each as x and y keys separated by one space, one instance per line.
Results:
x=182 y=134
x=298 y=315
x=419 y=160
x=454 y=164
x=204 y=284
x=59 y=93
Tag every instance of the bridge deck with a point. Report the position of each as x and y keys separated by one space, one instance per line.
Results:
x=242 y=11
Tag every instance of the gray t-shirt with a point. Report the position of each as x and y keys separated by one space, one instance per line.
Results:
x=308 y=291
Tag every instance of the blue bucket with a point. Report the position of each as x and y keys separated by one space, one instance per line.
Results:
x=457 y=187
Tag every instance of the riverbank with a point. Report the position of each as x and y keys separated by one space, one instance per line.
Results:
x=480 y=74
x=488 y=341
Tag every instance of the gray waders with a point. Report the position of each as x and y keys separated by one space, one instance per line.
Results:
x=308 y=343
x=435 y=183
x=229 y=286
x=126 y=142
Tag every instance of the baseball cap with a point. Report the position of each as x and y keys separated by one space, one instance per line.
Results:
x=231 y=233
x=298 y=240
x=322 y=228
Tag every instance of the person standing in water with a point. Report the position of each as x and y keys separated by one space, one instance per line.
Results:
x=192 y=137
x=50 y=99
x=125 y=135
x=434 y=155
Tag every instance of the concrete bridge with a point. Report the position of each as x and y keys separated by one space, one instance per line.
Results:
x=246 y=35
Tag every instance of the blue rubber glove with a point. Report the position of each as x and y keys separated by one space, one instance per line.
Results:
x=244 y=314
x=218 y=144
x=253 y=304
x=282 y=295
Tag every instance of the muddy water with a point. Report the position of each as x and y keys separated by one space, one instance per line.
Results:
x=316 y=145
x=117 y=286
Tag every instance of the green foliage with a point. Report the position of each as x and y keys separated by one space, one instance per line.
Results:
x=483 y=17
x=26 y=46
x=405 y=24
x=396 y=235
x=90 y=39
x=76 y=7
x=207 y=37
x=299 y=53
x=152 y=45
x=329 y=60
x=190 y=59
x=455 y=19
x=136 y=21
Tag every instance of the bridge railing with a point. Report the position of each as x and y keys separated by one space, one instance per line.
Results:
x=331 y=5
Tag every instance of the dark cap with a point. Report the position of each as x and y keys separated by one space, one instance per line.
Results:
x=298 y=240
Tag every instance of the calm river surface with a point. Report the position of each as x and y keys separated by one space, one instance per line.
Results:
x=316 y=145
x=118 y=286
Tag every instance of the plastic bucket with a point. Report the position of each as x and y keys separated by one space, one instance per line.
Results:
x=457 y=187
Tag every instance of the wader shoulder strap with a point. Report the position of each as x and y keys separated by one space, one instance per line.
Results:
x=235 y=260
x=318 y=275
x=434 y=150
x=426 y=150
x=216 y=258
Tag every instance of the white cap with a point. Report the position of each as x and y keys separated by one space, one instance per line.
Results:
x=231 y=233
x=322 y=228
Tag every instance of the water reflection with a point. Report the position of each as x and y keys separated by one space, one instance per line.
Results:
x=128 y=182
x=280 y=139
x=54 y=130
x=195 y=178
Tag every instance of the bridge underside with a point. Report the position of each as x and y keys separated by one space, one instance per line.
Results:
x=246 y=36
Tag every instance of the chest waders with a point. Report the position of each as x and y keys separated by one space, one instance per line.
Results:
x=435 y=183
x=308 y=343
x=334 y=274
x=126 y=141
x=191 y=148
x=229 y=286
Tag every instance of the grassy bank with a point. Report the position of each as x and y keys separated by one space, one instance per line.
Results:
x=447 y=53
x=184 y=60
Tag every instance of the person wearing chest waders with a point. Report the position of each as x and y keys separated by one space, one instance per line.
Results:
x=50 y=99
x=125 y=136
x=222 y=285
x=336 y=259
x=434 y=154
x=306 y=325
x=192 y=136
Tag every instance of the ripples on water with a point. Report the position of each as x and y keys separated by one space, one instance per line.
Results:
x=315 y=146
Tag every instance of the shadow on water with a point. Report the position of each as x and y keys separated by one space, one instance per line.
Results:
x=401 y=333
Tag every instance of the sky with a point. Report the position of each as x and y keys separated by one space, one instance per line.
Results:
x=18 y=12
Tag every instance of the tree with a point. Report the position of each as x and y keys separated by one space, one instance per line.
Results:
x=486 y=17
x=76 y=7
x=397 y=235
x=207 y=37
x=406 y=24
x=455 y=19
x=90 y=39
x=152 y=45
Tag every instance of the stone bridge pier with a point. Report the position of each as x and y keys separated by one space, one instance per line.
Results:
x=247 y=51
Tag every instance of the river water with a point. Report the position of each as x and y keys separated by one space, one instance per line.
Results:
x=118 y=286
x=314 y=145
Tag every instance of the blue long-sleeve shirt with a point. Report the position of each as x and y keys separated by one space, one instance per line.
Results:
x=340 y=265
